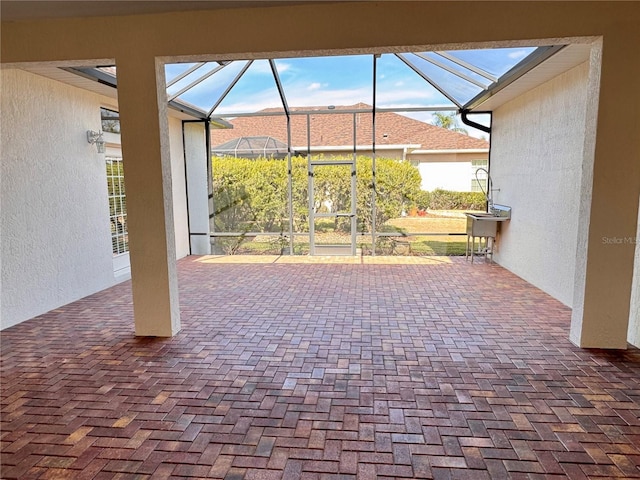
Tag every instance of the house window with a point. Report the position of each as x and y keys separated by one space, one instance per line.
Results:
x=115 y=183
x=117 y=206
x=479 y=178
x=110 y=121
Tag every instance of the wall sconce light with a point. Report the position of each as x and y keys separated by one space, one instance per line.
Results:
x=96 y=137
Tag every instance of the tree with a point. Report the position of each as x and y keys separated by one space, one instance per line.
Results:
x=448 y=120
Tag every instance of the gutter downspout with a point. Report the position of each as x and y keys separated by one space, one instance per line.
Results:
x=471 y=123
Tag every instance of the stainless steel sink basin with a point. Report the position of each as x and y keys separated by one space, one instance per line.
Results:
x=485 y=226
x=482 y=225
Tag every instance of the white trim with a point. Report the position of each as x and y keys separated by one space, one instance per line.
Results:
x=121 y=267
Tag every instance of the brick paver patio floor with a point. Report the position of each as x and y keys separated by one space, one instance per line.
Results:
x=434 y=368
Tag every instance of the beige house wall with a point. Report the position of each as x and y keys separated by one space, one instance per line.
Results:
x=447 y=171
x=611 y=180
x=536 y=166
x=56 y=239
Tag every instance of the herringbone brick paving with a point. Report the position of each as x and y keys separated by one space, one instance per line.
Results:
x=318 y=371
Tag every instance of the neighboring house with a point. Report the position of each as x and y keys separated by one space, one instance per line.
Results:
x=446 y=159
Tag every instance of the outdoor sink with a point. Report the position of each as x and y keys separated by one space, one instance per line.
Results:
x=482 y=225
x=485 y=226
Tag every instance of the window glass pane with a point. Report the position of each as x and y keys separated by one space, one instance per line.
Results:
x=172 y=70
x=255 y=91
x=460 y=89
x=110 y=121
x=321 y=81
x=479 y=176
x=445 y=63
x=117 y=206
x=206 y=93
x=399 y=86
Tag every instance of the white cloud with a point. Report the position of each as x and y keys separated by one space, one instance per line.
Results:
x=263 y=67
x=518 y=54
x=283 y=66
x=315 y=86
x=398 y=84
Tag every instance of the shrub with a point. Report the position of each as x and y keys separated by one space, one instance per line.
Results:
x=251 y=195
x=449 y=200
x=423 y=200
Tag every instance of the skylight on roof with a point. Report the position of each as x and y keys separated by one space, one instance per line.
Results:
x=418 y=80
x=398 y=86
x=451 y=82
x=254 y=91
x=496 y=61
x=315 y=81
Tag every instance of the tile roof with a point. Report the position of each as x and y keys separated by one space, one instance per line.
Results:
x=337 y=130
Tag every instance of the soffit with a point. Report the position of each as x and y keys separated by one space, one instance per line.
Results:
x=13 y=10
x=569 y=57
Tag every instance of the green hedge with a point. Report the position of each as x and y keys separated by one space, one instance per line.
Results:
x=449 y=200
x=251 y=194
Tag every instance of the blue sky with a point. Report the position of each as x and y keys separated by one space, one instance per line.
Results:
x=343 y=80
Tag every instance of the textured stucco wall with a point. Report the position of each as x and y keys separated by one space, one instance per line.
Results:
x=634 y=314
x=536 y=163
x=55 y=242
x=196 y=160
x=178 y=186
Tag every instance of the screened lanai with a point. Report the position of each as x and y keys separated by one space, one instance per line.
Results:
x=311 y=200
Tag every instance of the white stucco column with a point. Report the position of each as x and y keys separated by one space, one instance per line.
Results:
x=196 y=158
x=608 y=216
x=633 y=333
x=145 y=145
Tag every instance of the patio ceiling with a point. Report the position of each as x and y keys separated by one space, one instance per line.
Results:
x=459 y=80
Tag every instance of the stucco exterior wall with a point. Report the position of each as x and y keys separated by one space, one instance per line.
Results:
x=536 y=165
x=55 y=242
x=634 y=314
x=178 y=186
